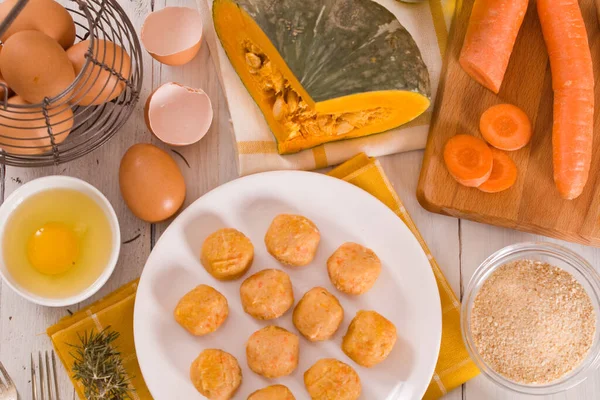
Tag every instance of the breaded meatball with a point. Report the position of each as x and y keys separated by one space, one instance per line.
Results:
x=202 y=310
x=275 y=392
x=330 y=379
x=292 y=239
x=272 y=352
x=318 y=314
x=353 y=268
x=370 y=338
x=227 y=254
x=216 y=374
x=268 y=294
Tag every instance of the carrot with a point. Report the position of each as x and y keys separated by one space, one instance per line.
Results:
x=506 y=127
x=468 y=159
x=503 y=176
x=573 y=84
x=491 y=35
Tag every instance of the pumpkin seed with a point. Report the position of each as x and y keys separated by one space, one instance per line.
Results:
x=266 y=69
x=279 y=108
x=292 y=101
x=311 y=128
x=353 y=118
x=343 y=127
x=278 y=81
x=293 y=129
x=253 y=60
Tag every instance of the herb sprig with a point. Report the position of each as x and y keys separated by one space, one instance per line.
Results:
x=99 y=368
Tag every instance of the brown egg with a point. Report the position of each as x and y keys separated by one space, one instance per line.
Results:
x=35 y=66
x=97 y=85
x=151 y=183
x=46 y=16
x=24 y=132
x=2 y=88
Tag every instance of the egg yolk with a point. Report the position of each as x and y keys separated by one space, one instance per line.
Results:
x=53 y=249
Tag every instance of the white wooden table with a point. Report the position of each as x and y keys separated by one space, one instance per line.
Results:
x=458 y=245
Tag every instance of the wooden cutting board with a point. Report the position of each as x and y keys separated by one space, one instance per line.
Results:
x=533 y=203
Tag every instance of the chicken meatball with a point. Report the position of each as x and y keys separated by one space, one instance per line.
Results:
x=216 y=374
x=202 y=310
x=330 y=379
x=370 y=338
x=292 y=239
x=268 y=294
x=275 y=392
x=353 y=268
x=318 y=314
x=227 y=254
x=272 y=352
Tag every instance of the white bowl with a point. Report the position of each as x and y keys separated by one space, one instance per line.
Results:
x=60 y=182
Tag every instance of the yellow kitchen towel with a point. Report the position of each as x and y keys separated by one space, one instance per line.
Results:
x=427 y=21
x=116 y=311
x=454 y=367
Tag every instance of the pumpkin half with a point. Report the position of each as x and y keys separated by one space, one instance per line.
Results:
x=324 y=70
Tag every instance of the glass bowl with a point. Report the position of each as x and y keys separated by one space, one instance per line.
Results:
x=553 y=255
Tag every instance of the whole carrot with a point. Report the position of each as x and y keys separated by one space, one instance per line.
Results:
x=491 y=35
x=573 y=84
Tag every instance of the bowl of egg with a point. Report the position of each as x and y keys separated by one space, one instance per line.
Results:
x=59 y=240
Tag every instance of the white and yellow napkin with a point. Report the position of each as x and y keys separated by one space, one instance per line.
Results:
x=428 y=22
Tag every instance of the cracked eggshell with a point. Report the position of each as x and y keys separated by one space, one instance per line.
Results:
x=173 y=35
x=178 y=115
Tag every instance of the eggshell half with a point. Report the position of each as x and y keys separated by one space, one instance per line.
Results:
x=151 y=182
x=46 y=16
x=35 y=66
x=173 y=35
x=24 y=131
x=178 y=115
x=96 y=84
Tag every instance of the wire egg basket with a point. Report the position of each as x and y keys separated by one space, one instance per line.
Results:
x=62 y=128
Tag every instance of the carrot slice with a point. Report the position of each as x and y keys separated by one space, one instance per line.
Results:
x=489 y=41
x=506 y=127
x=503 y=176
x=468 y=159
x=573 y=83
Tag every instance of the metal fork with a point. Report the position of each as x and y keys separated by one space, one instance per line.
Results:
x=48 y=379
x=8 y=390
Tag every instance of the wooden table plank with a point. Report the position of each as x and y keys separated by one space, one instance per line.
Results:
x=22 y=324
x=212 y=160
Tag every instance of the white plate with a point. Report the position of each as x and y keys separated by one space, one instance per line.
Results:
x=406 y=292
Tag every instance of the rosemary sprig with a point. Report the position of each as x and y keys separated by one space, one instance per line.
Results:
x=99 y=368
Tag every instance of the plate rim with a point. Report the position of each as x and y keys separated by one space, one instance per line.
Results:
x=309 y=175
